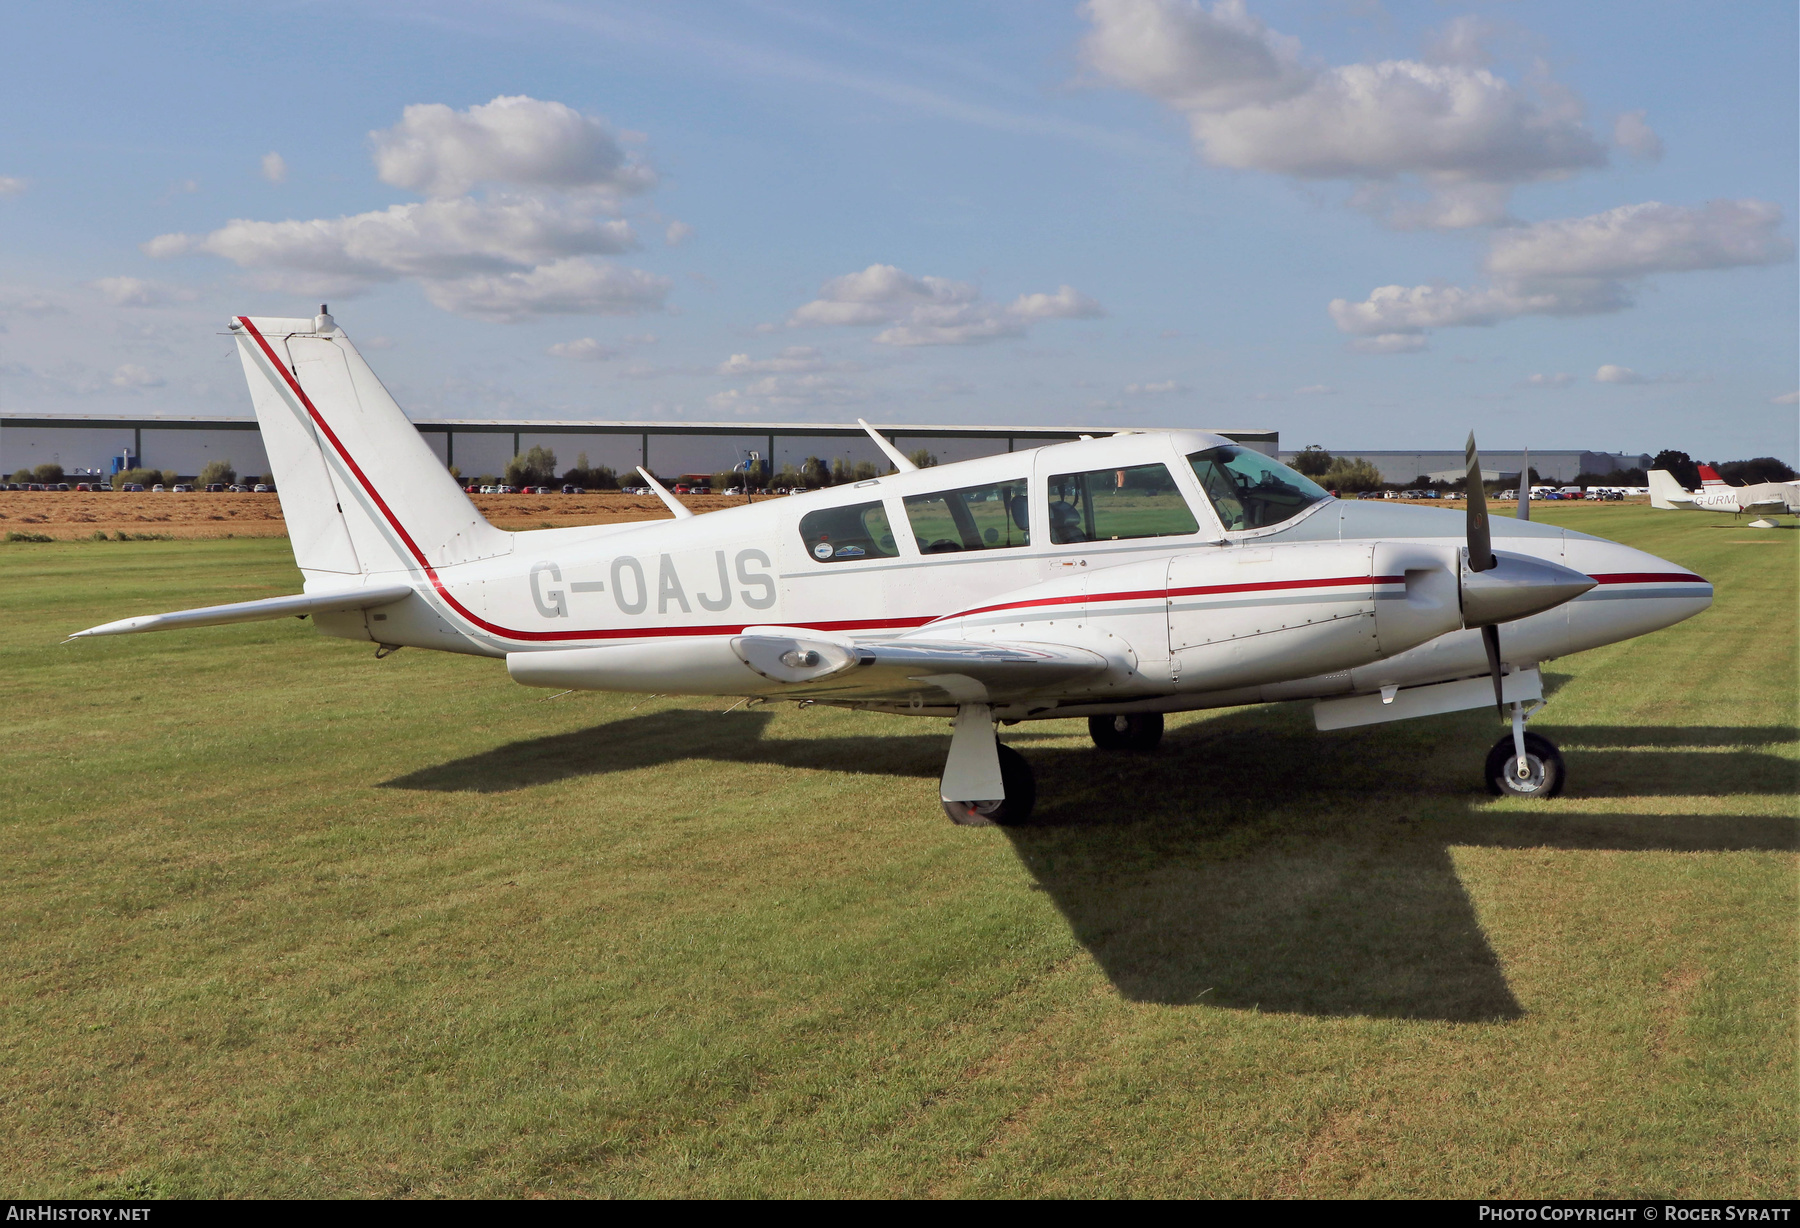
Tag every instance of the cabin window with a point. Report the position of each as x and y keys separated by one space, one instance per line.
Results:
x=842 y=534
x=974 y=518
x=1249 y=490
x=1105 y=505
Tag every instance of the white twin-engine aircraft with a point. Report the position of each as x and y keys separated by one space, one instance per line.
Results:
x=1116 y=579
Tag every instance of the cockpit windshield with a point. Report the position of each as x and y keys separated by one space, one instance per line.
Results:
x=1250 y=491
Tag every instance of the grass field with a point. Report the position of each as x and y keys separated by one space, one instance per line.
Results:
x=281 y=919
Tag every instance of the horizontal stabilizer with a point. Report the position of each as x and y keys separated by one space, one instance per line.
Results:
x=255 y=611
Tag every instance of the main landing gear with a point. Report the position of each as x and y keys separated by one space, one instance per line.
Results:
x=1524 y=764
x=1126 y=731
x=1011 y=811
x=985 y=783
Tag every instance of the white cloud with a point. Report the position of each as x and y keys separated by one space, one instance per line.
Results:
x=133 y=376
x=1399 y=310
x=1254 y=102
x=135 y=292
x=1578 y=266
x=1390 y=343
x=677 y=233
x=427 y=239
x=1160 y=388
x=785 y=393
x=12 y=185
x=792 y=360
x=30 y=302
x=932 y=310
x=274 y=167
x=1610 y=374
x=1315 y=390
x=584 y=349
x=1462 y=41
x=507 y=255
x=567 y=287
x=1786 y=398
x=1562 y=379
x=516 y=140
x=1636 y=137
x=1638 y=240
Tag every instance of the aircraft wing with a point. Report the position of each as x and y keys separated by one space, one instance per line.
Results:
x=938 y=671
x=253 y=611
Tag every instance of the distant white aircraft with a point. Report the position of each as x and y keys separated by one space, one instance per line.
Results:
x=1115 y=579
x=1767 y=498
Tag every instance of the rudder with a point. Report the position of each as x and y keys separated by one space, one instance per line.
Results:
x=360 y=489
x=1665 y=491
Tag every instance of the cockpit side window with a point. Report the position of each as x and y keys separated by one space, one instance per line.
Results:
x=992 y=517
x=842 y=534
x=1251 y=491
x=1115 y=504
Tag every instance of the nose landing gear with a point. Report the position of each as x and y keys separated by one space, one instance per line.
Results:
x=1524 y=764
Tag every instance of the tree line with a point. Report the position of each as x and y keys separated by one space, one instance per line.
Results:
x=213 y=472
x=1353 y=474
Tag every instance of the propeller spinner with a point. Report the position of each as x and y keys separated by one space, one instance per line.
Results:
x=1501 y=587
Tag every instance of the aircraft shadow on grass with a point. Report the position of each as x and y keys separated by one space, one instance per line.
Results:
x=1251 y=862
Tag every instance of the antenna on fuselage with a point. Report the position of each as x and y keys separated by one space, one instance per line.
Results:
x=681 y=510
x=893 y=454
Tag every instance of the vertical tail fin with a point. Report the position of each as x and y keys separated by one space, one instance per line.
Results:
x=1665 y=491
x=360 y=490
x=1708 y=477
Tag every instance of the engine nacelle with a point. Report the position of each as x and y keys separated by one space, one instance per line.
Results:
x=1247 y=615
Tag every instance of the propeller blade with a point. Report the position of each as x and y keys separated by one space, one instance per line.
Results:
x=1481 y=546
x=1524 y=512
x=1490 y=639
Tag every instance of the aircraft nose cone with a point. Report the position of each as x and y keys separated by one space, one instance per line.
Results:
x=1518 y=585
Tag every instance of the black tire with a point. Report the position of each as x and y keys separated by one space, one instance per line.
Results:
x=1021 y=796
x=1126 y=731
x=1546 y=763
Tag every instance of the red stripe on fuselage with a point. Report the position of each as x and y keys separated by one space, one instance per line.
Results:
x=1648 y=577
x=1162 y=594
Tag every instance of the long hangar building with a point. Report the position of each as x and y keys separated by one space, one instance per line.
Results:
x=101 y=443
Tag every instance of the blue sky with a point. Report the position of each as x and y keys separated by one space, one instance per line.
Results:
x=1365 y=224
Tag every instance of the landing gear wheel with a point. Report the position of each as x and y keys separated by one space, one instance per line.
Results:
x=1015 y=811
x=1126 y=731
x=1544 y=768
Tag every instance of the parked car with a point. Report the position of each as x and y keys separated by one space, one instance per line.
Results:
x=182 y=488
x=261 y=488
x=137 y=487
x=573 y=490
